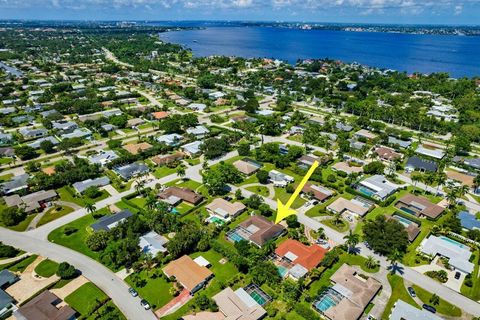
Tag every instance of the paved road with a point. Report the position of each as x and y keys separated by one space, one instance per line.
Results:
x=105 y=279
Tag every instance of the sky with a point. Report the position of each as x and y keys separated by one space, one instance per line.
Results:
x=346 y=11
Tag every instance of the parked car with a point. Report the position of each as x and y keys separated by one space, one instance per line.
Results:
x=370 y=317
x=144 y=303
x=411 y=292
x=133 y=292
x=457 y=275
x=429 y=308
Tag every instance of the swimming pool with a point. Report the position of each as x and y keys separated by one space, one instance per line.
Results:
x=216 y=220
x=409 y=211
x=403 y=220
x=235 y=237
x=174 y=211
x=366 y=191
x=325 y=303
x=282 y=271
x=458 y=244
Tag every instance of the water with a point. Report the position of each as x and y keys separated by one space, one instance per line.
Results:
x=403 y=220
x=457 y=55
x=409 y=211
x=325 y=303
x=458 y=244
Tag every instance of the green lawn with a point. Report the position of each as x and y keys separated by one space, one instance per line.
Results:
x=156 y=289
x=342 y=226
x=22 y=226
x=398 y=292
x=260 y=190
x=46 y=268
x=111 y=308
x=163 y=171
x=86 y=299
x=6 y=177
x=281 y=193
x=21 y=265
x=193 y=162
x=474 y=291
x=53 y=214
x=443 y=307
x=139 y=201
x=76 y=240
x=66 y=193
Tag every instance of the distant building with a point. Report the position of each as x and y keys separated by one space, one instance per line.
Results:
x=17 y=183
x=317 y=192
x=401 y=143
x=257 y=230
x=199 y=131
x=103 y=157
x=358 y=206
x=419 y=207
x=422 y=165
x=37 y=143
x=31 y=202
x=135 y=148
x=173 y=195
x=172 y=139
x=432 y=153
x=280 y=179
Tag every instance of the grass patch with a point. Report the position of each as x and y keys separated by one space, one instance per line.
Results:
x=53 y=214
x=5 y=160
x=163 y=171
x=22 y=226
x=443 y=307
x=86 y=299
x=46 y=268
x=109 y=308
x=154 y=289
x=67 y=194
x=260 y=190
x=398 y=292
x=6 y=177
x=281 y=193
x=341 y=226
x=22 y=265
x=473 y=292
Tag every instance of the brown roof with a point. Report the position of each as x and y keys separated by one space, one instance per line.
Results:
x=245 y=167
x=168 y=158
x=234 y=308
x=387 y=153
x=233 y=209
x=262 y=229
x=307 y=256
x=187 y=272
x=134 y=148
x=183 y=193
x=319 y=193
x=160 y=115
x=358 y=293
x=412 y=229
x=461 y=177
x=43 y=307
x=423 y=205
x=341 y=204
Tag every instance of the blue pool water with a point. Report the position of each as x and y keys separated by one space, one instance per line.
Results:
x=458 y=244
x=403 y=220
x=235 y=237
x=325 y=303
x=366 y=191
x=174 y=211
x=282 y=271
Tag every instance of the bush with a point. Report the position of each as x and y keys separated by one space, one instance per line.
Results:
x=93 y=192
x=12 y=216
x=331 y=178
x=66 y=271
x=7 y=251
x=262 y=176
x=290 y=189
x=97 y=241
x=244 y=149
x=69 y=230
x=440 y=275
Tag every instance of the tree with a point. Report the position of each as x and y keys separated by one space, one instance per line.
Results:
x=292 y=221
x=238 y=194
x=25 y=152
x=47 y=146
x=265 y=272
x=90 y=207
x=371 y=263
x=352 y=239
x=66 y=271
x=385 y=236
x=374 y=167
x=217 y=178
x=92 y=192
x=435 y=300
x=181 y=171
x=251 y=106
x=7 y=251
x=214 y=148
x=12 y=216
x=394 y=257
x=244 y=149
x=262 y=176
x=97 y=241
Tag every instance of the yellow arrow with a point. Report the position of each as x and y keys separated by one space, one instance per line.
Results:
x=283 y=210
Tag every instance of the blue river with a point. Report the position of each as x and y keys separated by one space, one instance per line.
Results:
x=457 y=55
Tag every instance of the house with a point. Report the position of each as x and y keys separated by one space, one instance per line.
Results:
x=377 y=187
x=357 y=145
x=136 y=148
x=135 y=122
x=216 y=95
x=188 y=273
x=77 y=133
x=33 y=133
x=192 y=149
x=7 y=152
x=419 y=206
x=317 y=192
x=161 y=160
x=225 y=210
x=23 y=119
x=45 y=306
x=174 y=195
x=109 y=222
x=405 y=311
x=199 y=131
x=7 y=110
x=160 y=115
x=305 y=162
x=37 y=143
x=468 y=220
x=422 y=165
x=347 y=167
x=81 y=186
x=280 y=179
x=401 y=143
x=349 y=295
x=387 y=154
x=357 y=206
x=343 y=127
x=172 y=139
x=108 y=127
x=362 y=133
x=103 y=157
x=247 y=166
x=297 y=258
x=432 y=153
x=296 y=130
x=411 y=227
x=131 y=170
x=64 y=126
x=458 y=254
x=237 y=304
x=153 y=243
x=265 y=112
x=17 y=183
x=6 y=138
x=197 y=106
x=7 y=278
x=257 y=230
x=31 y=202
x=472 y=162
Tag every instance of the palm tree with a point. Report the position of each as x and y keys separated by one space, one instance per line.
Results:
x=435 y=300
x=476 y=183
x=371 y=263
x=451 y=197
x=463 y=190
x=394 y=258
x=441 y=179
x=181 y=171
x=415 y=178
x=90 y=208
x=151 y=202
x=352 y=239
x=337 y=218
x=139 y=186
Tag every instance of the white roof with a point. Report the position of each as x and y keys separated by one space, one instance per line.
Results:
x=201 y=261
x=153 y=243
x=458 y=254
x=405 y=311
x=434 y=153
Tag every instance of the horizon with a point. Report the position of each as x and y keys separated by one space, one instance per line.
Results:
x=413 y=12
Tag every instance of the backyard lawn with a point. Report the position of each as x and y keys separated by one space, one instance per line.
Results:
x=53 y=214
x=156 y=290
x=443 y=307
x=341 y=226
x=163 y=171
x=46 y=268
x=86 y=299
